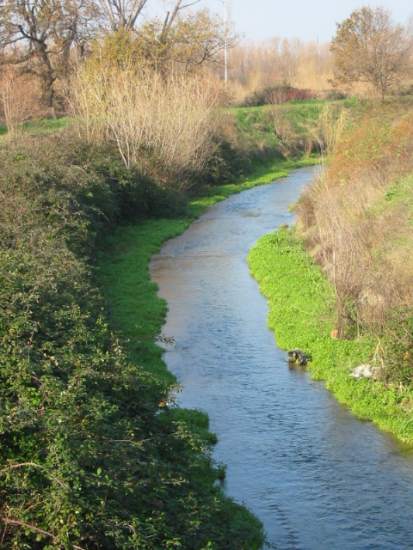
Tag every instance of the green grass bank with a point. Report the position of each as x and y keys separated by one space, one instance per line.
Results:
x=301 y=314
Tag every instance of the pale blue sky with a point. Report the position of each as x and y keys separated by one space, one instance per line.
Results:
x=305 y=19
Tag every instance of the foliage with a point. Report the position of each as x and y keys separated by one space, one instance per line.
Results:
x=90 y=456
x=185 y=44
x=136 y=312
x=288 y=130
x=40 y=126
x=47 y=39
x=302 y=304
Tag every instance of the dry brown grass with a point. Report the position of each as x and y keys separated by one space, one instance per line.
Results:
x=303 y=65
x=328 y=129
x=360 y=238
x=19 y=99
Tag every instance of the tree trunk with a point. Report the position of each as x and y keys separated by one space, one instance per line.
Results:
x=48 y=80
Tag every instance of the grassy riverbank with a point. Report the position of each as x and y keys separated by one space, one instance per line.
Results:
x=136 y=312
x=301 y=303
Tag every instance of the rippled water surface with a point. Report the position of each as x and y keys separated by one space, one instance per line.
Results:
x=316 y=477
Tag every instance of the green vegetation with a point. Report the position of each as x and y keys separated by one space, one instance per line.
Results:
x=290 y=128
x=42 y=126
x=302 y=315
x=46 y=125
x=137 y=313
x=257 y=124
x=90 y=456
x=297 y=109
x=356 y=222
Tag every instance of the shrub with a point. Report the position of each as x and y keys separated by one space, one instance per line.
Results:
x=162 y=126
x=306 y=133
x=275 y=95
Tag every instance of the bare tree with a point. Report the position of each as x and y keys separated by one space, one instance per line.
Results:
x=122 y=13
x=369 y=48
x=179 y=41
x=183 y=43
x=172 y=15
x=125 y=14
x=39 y=35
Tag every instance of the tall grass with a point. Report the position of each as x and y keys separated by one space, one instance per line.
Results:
x=18 y=99
x=152 y=120
x=361 y=235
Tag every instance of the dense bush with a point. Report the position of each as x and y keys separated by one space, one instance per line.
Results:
x=126 y=105
x=226 y=164
x=87 y=459
x=334 y=95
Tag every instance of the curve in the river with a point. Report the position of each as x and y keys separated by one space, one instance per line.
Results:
x=316 y=476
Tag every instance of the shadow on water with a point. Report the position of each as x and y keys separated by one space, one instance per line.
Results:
x=317 y=477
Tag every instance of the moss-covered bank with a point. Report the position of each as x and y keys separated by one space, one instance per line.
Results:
x=301 y=313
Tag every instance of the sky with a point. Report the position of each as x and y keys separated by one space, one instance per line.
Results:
x=304 y=19
x=257 y=20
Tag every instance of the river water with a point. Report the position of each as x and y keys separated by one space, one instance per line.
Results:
x=317 y=477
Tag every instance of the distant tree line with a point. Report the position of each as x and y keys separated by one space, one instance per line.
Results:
x=369 y=52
